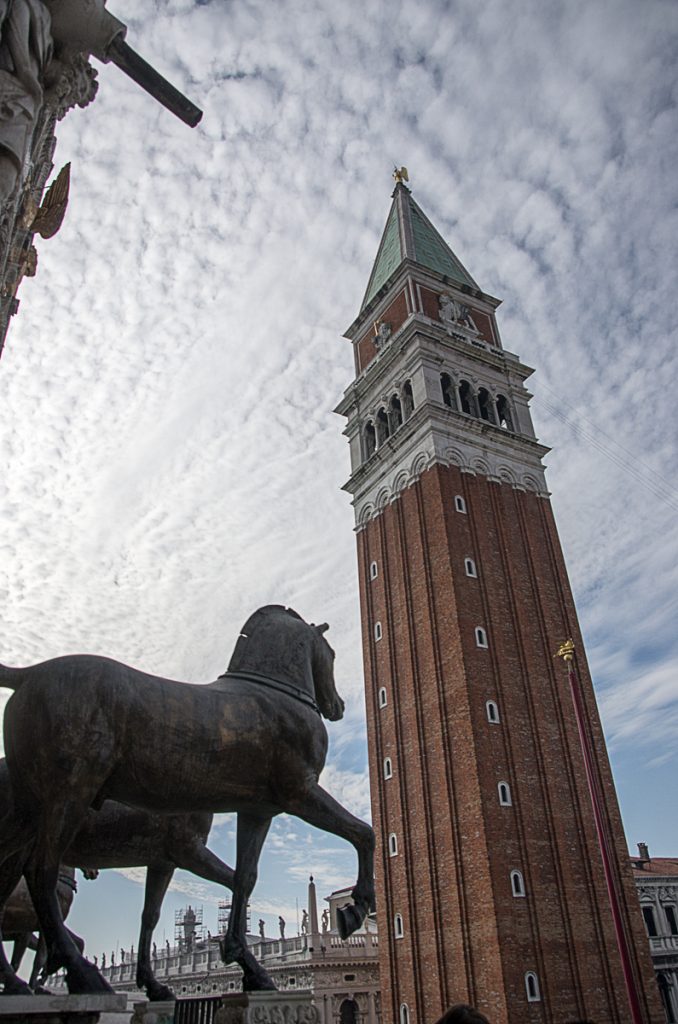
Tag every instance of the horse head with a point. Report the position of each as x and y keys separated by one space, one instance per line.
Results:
x=276 y=642
x=330 y=703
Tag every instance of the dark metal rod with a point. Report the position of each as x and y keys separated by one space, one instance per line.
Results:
x=140 y=71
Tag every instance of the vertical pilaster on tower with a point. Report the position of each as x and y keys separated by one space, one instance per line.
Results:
x=492 y=889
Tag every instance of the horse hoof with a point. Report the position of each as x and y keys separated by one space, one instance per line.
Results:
x=260 y=981
x=84 y=979
x=16 y=987
x=160 y=994
x=349 y=919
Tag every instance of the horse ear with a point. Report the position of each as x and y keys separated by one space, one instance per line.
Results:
x=323 y=629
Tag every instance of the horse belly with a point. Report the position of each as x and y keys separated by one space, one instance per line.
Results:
x=224 y=782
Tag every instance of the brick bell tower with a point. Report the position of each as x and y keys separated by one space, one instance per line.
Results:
x=491 y=886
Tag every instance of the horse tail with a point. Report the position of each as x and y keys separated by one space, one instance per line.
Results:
x=11 y=678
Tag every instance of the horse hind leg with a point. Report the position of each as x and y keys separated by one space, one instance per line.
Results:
x=39 y=975
x=318 y=808
x=55 y=832
x=158 y=878
x=10 y=874
x=252 y=832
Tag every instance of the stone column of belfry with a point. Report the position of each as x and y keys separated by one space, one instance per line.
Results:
x=491 y=887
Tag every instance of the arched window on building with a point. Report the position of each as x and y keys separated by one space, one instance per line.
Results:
x=504 y=794
x=374 y=571
x=470 y=567
x=466 y=398
x=407 y=399
x=517 y=883
x=392 y=845
x=650 y=922
x=492 y=709
x=459 y=504
x=485 y=405
x=481 y=637
x=388 y=768
x=395 y=413
x=382 y=427
x=532 y=987
x=671 y=918
x=377 y=631
x=404 y=1013
x=348 y=1012
x=504 y=417
x=448 y=391
x=398 y=928
x=369 y=439
x=383 y=700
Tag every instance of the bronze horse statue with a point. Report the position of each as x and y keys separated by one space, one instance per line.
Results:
x=124 y=837
x=252 y=742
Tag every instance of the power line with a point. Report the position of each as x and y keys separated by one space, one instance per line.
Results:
x=599 y=431
x=630 y=464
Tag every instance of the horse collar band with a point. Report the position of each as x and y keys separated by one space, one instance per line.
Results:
x=275 y=684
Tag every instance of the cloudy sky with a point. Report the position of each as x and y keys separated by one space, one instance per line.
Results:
x=169 y=456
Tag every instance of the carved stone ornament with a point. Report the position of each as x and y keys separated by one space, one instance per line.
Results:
x=25 y=51
x=455 y=313
x=71 y=83
x=382 y=334
x=272 y=1012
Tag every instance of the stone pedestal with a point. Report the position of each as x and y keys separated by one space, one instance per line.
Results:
x=59 y=1009
x=267 y=1008
x=152 y=1013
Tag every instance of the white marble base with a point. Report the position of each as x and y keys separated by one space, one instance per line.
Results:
x=64 y=1009
x=267 y=1008
x=152 y=1013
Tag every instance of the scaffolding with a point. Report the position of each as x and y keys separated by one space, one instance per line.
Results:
x=188 y=928
x=224 y=913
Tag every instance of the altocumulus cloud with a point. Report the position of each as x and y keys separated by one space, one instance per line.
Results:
x=170 y=459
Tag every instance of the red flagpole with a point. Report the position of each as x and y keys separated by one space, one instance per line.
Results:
x=566 y=651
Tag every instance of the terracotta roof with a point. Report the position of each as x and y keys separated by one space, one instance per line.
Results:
x=655 y=866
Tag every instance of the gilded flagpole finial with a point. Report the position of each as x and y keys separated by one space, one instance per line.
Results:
x=400 y=175
x=565 y=651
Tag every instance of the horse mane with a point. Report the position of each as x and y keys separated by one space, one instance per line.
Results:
x=268 y=611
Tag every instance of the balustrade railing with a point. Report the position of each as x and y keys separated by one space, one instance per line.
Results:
x=196 y=1011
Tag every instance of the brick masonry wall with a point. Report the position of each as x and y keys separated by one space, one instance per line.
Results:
x=466 y=936
x=396 y=314
x=486 y=328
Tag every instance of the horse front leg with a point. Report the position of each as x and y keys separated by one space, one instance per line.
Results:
x=318 y=808
x=158 y=878
x=252 y=832
x=35 y=981
x=200 y=861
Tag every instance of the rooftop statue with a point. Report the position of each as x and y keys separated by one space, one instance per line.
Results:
x=45 y=46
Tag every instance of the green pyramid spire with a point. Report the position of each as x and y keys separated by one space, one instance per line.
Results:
x=409 y=234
